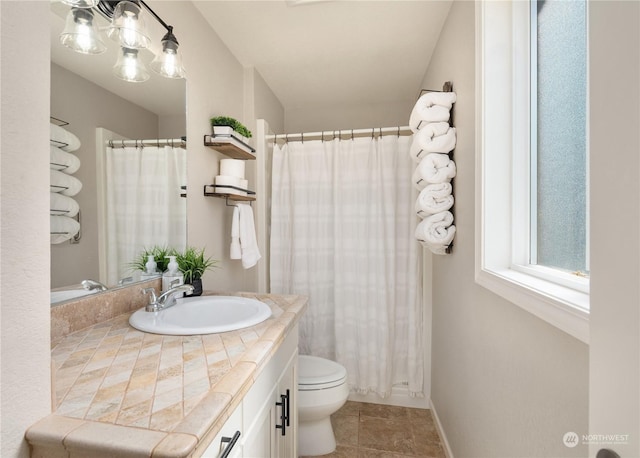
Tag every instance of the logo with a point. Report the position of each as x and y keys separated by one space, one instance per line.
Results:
x=570 y=439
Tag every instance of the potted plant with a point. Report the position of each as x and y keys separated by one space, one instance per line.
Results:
x=159 y=254
x=224 y=125
x=193 y=265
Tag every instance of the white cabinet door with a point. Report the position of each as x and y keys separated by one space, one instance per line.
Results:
x=287 y=412
x=228 y=438
x=260 y=423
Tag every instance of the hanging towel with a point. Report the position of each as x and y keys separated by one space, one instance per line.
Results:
x=64 y=184
x=431 y=107
x=63 y=205
x=235 y=252
x=63 y=139
x=434 y=198
x=436 y=232
x=63 y=228
x=433 y=168
x=435 y=137
x=63 y=161
x=248 y=241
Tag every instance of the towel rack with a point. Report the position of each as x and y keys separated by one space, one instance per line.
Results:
x=58 y=122
x=447 y=87
x=76 y=238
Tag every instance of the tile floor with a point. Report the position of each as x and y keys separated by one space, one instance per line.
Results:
x=366 y=430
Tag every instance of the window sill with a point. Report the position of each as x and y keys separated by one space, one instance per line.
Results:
x=562 y=307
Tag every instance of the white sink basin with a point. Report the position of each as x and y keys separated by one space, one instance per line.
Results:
x=59 y=296
x=202 y=315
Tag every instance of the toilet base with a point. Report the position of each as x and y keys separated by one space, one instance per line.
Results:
x=316 y=437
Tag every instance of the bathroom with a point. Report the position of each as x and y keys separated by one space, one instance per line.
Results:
x=504 y=382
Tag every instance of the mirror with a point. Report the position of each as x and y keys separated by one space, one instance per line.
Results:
x=86 y=95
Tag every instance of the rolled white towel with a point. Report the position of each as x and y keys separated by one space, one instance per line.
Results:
x=435 y=137
x=434 y=198
x=63 y=139
x=433 y=168
x=431 y=107
x=63 y=205
x=63 y=228
x=61 y=160
x=436 y=232
x=64 y=184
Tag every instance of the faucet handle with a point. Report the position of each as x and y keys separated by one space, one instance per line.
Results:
x=152 y=294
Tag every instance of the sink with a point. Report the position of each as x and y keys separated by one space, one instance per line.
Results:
x=202 y=315
x=59 y=296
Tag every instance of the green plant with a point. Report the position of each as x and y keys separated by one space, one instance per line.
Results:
x=159 y=255
x=193 y=264
x=233 y=123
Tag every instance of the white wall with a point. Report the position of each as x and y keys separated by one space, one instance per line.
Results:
x=504 y=383
x=614 y=52
x=337 y=117
x=85 y=106
x=25 y=389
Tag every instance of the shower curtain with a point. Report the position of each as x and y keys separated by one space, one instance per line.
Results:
x=144 y=207
x=342 y=227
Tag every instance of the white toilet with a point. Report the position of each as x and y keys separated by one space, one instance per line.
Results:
x=322 y=390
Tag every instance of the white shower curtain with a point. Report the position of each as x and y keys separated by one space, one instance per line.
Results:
x=342 y=233
x=144 y=207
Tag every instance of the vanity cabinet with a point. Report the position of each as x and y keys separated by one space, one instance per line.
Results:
x=267 y=417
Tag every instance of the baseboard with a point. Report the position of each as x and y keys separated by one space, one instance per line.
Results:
x=399 y=397
x=443 y=437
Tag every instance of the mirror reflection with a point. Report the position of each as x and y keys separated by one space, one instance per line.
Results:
x=132 y=164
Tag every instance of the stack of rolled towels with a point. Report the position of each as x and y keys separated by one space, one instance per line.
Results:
x=434 y=138
x=231 y=179
x=64 y=209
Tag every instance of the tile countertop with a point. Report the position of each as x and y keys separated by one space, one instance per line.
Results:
x=122 y=392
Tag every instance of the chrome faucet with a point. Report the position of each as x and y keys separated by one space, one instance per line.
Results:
x=166 y=299
x=90 y=285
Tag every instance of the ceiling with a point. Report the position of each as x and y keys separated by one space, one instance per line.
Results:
x=309 y=52
x=315 y=52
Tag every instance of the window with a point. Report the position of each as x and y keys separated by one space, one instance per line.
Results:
x=558 y=148
x=532 y=196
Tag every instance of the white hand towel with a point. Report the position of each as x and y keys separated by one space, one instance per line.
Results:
x=433 y=168
x=63 y=228
x=435 y=137
x=64 y=184
x=63 y=161
x=235 y=251
x=434 y=198
x=63 y=139
x=431 y=107
x=63 y=205
x=248 y=241
x=436 y=232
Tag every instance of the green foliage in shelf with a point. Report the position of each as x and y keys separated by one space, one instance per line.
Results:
x=233 y=123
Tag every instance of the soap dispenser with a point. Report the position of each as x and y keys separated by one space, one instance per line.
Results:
x=172 y=277
x=152 y=268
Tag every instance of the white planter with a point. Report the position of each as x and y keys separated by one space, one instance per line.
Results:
x=227 y=131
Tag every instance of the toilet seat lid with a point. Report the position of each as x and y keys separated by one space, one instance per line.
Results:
x=316 y=373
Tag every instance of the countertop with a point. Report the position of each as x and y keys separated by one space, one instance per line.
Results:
x=119 y=391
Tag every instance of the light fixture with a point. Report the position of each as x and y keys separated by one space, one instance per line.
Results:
x=80 y=33
x=168 y=63
x=129 y=67
x=81 y=3
x=128 y=27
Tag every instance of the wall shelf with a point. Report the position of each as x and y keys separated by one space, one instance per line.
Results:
x=209 y=191
x=230 y=146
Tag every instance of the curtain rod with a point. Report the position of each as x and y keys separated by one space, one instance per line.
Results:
x=181 y=142
x=349 y=133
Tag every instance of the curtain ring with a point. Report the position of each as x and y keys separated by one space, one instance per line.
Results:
x=302 y=135
x=373 y=131
x=351 y=134
x=398 y=131
x=122 y=141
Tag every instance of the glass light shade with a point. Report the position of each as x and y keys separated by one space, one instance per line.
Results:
x=81 y=3
x=169 y=62
x=128 y=26
x=130 y=68
x=80 y=33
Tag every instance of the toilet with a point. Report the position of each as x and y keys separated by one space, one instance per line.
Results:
x=322 y=390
